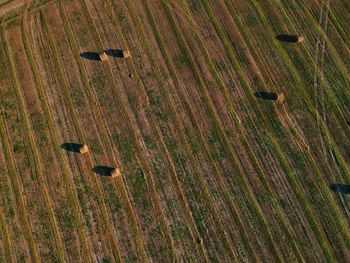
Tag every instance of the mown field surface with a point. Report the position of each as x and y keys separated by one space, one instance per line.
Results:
x=210 y=173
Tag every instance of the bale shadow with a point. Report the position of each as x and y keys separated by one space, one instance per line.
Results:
x=117 y=53
x=102 y=170
x=340 y=188
x=264 y=95
x=287 y=38
x=91 y=55
x=71 y=147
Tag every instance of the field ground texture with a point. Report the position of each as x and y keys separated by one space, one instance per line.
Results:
x=209 y=171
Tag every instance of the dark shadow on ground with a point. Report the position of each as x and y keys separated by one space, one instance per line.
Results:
x=90 y=55
x=103 y=170
x=117 y=53
x=287 y=38
x=71 y=147
x=340 y=188
x=266 y=95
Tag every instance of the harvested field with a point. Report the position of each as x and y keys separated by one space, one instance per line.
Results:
x=162 y=131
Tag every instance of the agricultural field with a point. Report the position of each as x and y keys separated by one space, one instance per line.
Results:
x=210 y=172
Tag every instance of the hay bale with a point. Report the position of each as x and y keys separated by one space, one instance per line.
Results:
x=266 y=95
x=126 y=54
x=115 y=172
x=300 y=39
x=83 y=148
x=290 y=38
x=280 y=98
x=103 y=56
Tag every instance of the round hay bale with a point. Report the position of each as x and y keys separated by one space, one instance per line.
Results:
x=103 y=56
x=115 y=172
x=83 y=148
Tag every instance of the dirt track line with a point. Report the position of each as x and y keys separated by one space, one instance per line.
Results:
x=316 y=62
x=81 y=136
x=318 y=67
